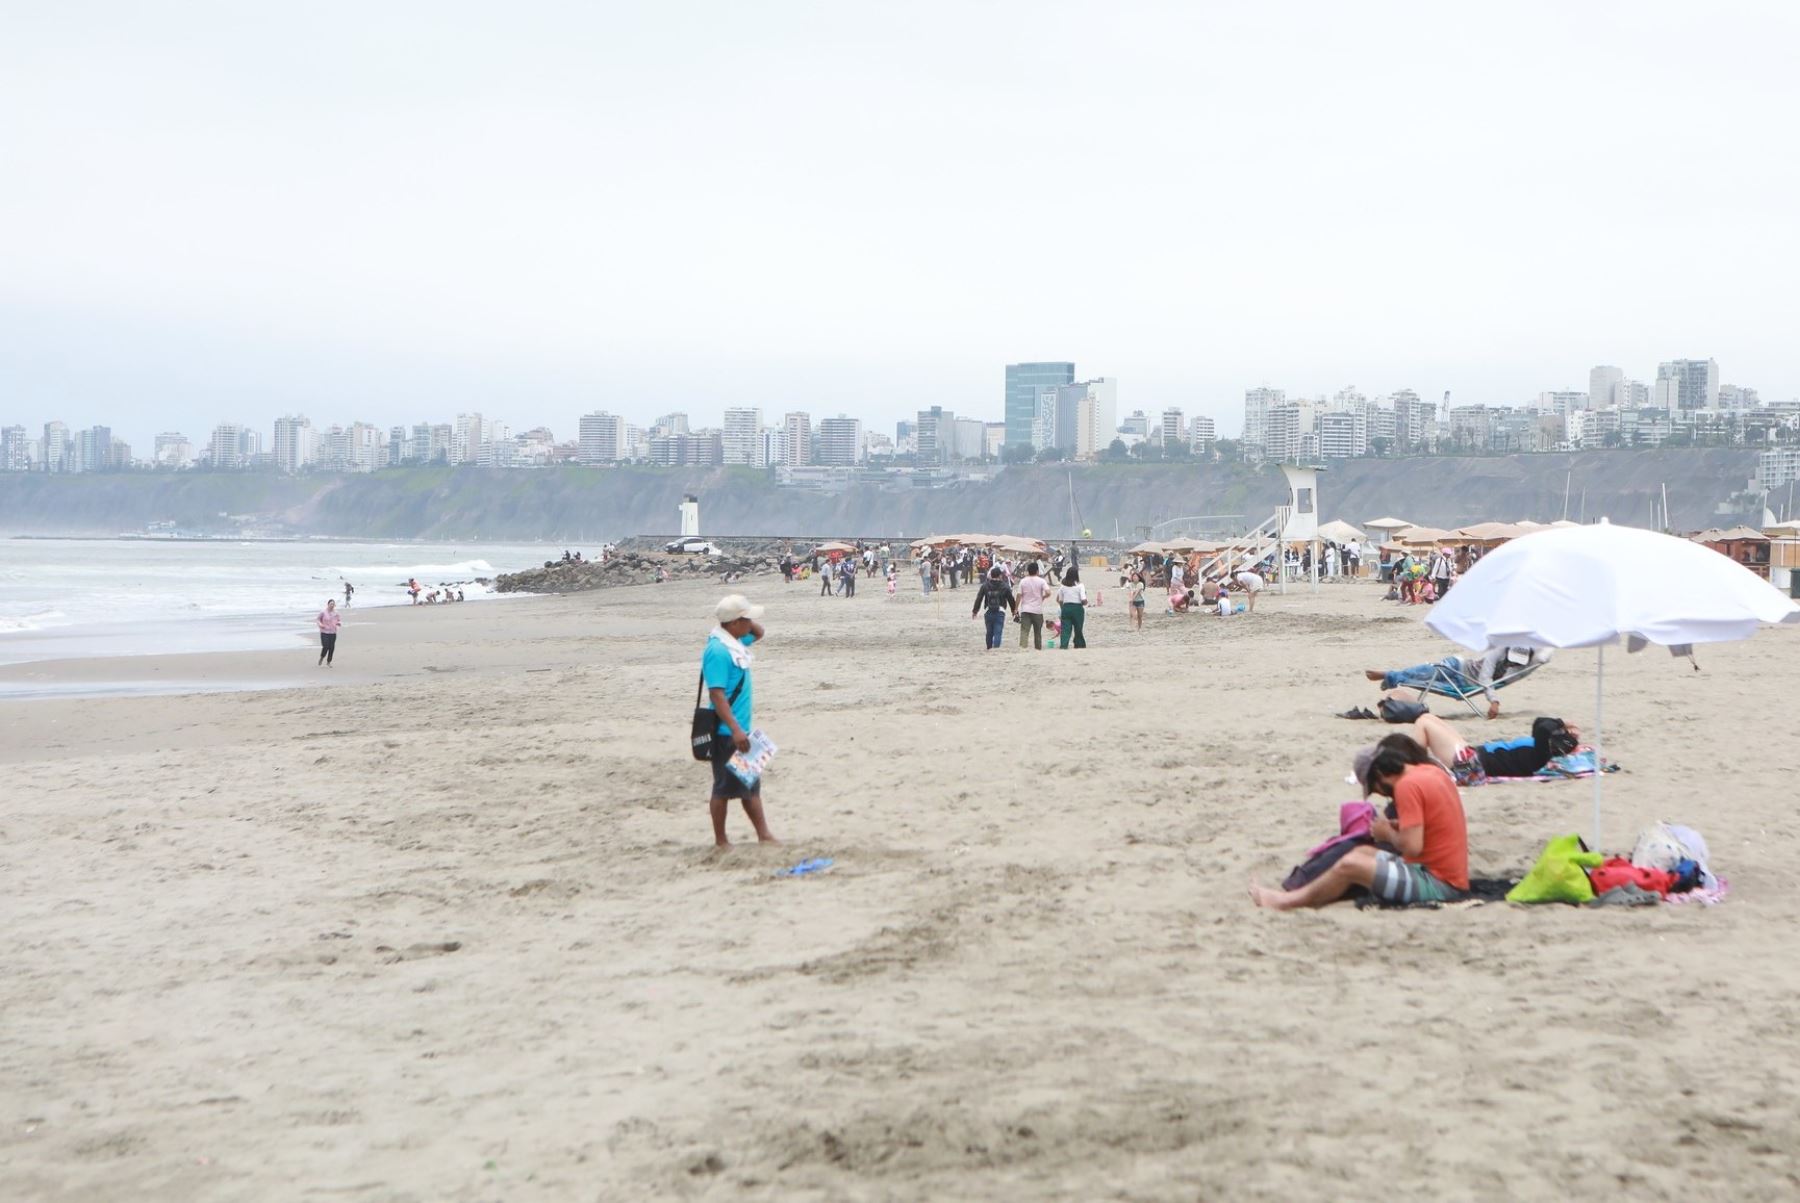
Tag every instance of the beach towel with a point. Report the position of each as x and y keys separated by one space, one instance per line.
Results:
x=1577 y=764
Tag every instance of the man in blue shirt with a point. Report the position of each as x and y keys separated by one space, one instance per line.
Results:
x=725 y=673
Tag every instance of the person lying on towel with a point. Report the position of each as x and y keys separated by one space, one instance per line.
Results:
x=1465 y=675
x=1426 y=858
x=1473 y=764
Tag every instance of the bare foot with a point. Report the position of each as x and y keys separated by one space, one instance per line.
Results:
x=1373 y=674
x=1267 y=897
x=766 y=837
x=721 y=843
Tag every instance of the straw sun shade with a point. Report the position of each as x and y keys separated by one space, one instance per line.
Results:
x=835 y=545
x=1491 y=532
x=1339 y=531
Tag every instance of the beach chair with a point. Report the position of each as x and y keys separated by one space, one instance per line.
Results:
x=1446 y=684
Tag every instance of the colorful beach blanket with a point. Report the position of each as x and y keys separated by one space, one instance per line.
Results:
x=1579 y=763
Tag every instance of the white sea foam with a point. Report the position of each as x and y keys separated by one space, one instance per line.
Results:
x=53 y=590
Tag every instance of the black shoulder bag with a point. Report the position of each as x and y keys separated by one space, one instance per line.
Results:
x=706 y=719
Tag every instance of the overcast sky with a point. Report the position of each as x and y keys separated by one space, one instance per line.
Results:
x=395 y=211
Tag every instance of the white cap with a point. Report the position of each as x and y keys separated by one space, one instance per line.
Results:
x=736 y=606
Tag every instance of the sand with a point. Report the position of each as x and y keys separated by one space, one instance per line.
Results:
x=452 y=928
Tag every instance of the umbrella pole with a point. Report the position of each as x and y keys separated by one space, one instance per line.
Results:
x=1599 y=758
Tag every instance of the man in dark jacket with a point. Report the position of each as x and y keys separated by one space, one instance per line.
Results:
x=996 y=596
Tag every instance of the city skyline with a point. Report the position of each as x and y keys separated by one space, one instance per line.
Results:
x=1041 y=403
x=578 y=208
x=1655 y=389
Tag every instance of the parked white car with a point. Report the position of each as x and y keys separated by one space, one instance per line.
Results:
x=691 y=547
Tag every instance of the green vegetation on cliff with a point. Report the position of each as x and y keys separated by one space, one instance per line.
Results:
x=580 y=504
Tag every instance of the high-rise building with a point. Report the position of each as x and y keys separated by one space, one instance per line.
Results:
x=739 y=438
x=934 y=437
x=56 y=447
x=1283 y=424
x=1415 y=421
x=1603 y=383
x=1024 y=384
x=970 y=438
x=294 y=448
x=1086 y=417
x=1172 y=429
x=1137 y=425
x=602 y=438
x=363 y=448
x=15 y=450
x=840 y=441
x=226 y=449
x=1732 y=396
x=1687 y=384
x=1341 y=433
x=1202 y=434
x=702 y=449
x=993 y=440
x=470 y=433
x=173 y=450
x=877 y=444
x=1563 y=404
x=1257 y=404
x=670 y=424
x=774 y=445
x=399 y=447
x=796 y=429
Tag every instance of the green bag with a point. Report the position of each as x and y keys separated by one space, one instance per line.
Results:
x=1560 y=874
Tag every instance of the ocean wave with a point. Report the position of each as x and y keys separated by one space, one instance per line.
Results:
x=31 y=622
x=463 y=570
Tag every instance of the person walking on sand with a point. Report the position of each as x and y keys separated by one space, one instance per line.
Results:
x=1073 y=598
x=825 y=576
x=997 y=597
x=1032 y=592
x=349 y=590
x=725 y=673
x=329 y=621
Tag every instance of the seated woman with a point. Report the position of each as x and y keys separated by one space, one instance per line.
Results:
x=1426 y=858
x=1459 y=676
x=1473 y=764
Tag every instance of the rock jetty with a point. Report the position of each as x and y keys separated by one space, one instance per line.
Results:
x=632 y=568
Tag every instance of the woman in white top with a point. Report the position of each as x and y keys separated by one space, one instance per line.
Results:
x=1073 y=596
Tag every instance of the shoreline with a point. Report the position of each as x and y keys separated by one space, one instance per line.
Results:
x=376 y=643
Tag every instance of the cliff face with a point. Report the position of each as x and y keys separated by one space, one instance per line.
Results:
x=574 y=504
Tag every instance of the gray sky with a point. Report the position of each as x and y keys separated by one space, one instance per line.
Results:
x=390 y=212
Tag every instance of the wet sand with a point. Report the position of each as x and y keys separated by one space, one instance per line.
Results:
x=452 y=928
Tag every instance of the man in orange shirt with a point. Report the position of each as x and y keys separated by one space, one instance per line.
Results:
x=1430 y=834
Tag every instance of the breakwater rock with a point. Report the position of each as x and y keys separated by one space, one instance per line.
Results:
x=633 y=568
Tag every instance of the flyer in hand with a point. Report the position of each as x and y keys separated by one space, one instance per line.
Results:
x=749 y=766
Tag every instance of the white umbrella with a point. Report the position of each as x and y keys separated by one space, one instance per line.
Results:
x=1589 y=586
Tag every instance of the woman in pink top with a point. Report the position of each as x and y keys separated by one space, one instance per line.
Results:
x=329 y=621
x=1032 y=592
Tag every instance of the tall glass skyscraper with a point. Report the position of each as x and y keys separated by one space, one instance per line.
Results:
x=1023 y=380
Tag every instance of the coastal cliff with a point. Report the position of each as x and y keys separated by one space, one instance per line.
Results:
x=581 y=504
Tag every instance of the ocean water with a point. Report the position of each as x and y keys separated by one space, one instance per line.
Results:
x=62 y=598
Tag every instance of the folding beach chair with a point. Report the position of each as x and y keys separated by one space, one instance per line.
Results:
x=1447 y=684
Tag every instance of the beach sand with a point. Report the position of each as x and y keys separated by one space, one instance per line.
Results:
x=452 y=928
